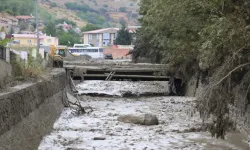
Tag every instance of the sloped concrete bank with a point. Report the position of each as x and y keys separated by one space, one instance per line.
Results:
x=28 y=111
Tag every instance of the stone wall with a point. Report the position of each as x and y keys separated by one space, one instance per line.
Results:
x=28 y=111
x=5 y=72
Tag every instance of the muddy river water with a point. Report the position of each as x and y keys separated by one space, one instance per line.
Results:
x=179 y=125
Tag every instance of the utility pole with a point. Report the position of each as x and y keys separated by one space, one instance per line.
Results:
x=37 y=30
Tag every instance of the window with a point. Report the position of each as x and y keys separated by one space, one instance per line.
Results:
x=97 y=37
x=28 y=41
x=49 y=40
x=106 y=36
x=101 y=50
x=90 y=36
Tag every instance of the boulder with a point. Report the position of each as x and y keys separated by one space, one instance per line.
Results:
x=145 y=119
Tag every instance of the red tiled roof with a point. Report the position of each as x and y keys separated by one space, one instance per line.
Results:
x=28 y=36
x=101 y=30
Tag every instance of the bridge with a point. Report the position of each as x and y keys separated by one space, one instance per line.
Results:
x=118 y=70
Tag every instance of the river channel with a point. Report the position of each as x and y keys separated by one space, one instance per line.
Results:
x=180 y=126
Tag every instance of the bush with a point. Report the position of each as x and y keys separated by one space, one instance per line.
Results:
x=33 y=69
x=53 y=4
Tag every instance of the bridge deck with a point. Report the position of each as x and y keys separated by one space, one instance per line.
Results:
x=123 y=71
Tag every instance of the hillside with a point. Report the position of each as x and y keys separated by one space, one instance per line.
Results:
x=104 y=13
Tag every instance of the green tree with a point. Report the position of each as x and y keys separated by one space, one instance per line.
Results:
x=50 y=29
x=11 y=30
x=200 y=36
x=17 y=7
x=89 y=27
x=68 y=38
x=53 y=4
x=123 y=36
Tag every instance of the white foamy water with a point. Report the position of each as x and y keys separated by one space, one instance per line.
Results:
x=118 y=88
x=178 y=127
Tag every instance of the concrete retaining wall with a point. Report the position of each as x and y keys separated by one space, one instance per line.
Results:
x=28 y=111
x=242 y=120
x=5 y=72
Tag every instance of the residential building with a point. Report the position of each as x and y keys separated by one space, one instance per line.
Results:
x=31 y=39
x=26 y=19
x=7 y=23
x=49 y=40
x=104 y=37
x=66 y=27
x=119 y=51
x=101 y=37
x=132 y=29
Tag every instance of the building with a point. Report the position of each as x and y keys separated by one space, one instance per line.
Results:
x=26 y=19
x=119 y=51
x=9 y=23
x=101 y=37
x=104 y=37
x=31 y=40
x=66 y=27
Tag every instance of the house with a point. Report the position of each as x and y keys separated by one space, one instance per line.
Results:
x=26 y=19
x=31 y=39
x=12 y=20
x=101 y=37
x=119 y=51
x=9 y=23
x=104 y=37
x=132 y=29
x=66 y=27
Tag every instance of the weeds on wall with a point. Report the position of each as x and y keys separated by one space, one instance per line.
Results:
x=32 y=69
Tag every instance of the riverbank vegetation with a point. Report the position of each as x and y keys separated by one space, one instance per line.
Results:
x=209 y=39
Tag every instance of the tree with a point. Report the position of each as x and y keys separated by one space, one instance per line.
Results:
x=69 y=38
x=17 y=7
x=53 y=4
x=123 y=36
x=203 y=37
x=11 y=30
x=89 y=27
x=50 y=29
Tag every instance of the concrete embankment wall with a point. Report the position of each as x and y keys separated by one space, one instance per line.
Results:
x=5 y=72
x=240 y=117
x=28 y=112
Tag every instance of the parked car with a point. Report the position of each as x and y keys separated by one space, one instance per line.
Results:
x=108 y=56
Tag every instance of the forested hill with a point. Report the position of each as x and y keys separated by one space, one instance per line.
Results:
x=103 y=13
x=17 y=7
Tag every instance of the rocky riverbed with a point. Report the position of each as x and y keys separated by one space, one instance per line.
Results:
x=179 y=127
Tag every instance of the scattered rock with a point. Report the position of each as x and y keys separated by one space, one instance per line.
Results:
x=127 y=94
x=145 y=119
x=99 y=138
